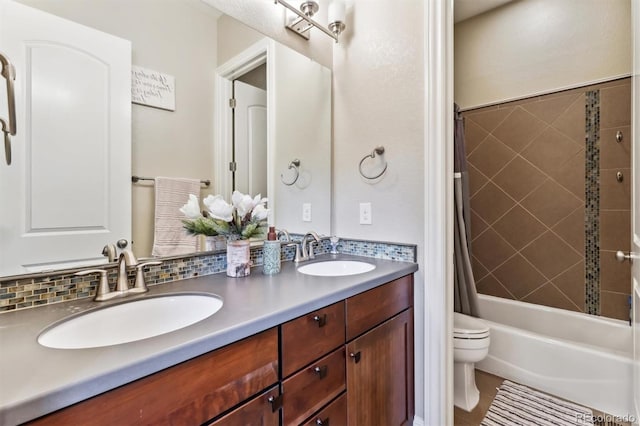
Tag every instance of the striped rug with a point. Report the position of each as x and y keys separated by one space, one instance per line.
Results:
x=519 y=405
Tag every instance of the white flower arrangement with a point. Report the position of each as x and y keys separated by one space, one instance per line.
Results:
x=244 y=218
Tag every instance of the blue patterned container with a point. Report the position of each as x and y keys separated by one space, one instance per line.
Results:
x=271 y=257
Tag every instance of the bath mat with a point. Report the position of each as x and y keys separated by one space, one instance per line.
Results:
x=516 y=404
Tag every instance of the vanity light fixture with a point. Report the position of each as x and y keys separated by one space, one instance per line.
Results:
x=303 y=20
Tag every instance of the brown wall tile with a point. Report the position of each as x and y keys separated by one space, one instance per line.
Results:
x=551 y=203
x=615 y=230
x=549 y=295
x=550 y=151
x=614 y=276
x=550 y=255
x=615 y=195
x=571 y=229
x=572 y=284
x=518 y=227
x=489 y=285
x=614 y=154
x=548 y=109
x=491 y=249
x=490 y=118
x=491 y=156
x=519 y=276
x=519 y=178
x=615 y=106
x=614 y=305
x=571 y=122
x=519 y=129
x=491 y=202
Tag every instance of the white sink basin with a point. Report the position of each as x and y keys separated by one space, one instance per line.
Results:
x=336 y=268
x=130 y=321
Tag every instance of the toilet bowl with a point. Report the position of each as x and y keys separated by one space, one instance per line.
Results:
x=470 y=345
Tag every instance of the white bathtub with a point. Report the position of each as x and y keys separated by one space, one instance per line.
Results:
x=576 y=356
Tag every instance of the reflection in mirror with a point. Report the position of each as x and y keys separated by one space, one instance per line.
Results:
x=187 y=40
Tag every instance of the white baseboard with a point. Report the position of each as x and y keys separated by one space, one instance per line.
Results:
x=418 y=421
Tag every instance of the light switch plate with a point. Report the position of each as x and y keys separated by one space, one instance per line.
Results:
x=365 y=214
x=306 y=212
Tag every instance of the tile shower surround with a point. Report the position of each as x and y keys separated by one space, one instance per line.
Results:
x=547 y=212
x=28 y=293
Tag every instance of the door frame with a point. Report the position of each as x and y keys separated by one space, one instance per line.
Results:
x=437 y=258
x=247 y=60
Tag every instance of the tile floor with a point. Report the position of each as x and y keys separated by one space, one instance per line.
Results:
x=488 y=386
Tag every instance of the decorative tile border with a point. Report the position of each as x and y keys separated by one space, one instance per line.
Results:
x=592 y=203
x=24 y=293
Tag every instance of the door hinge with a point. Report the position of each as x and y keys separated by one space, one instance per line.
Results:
x=232 y=166
x=232 y=103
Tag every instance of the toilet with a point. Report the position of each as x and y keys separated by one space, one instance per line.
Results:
x=470 y=345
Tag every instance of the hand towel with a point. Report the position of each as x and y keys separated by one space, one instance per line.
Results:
x=169 y=236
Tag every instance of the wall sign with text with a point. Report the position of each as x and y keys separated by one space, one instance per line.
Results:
x=153 y=88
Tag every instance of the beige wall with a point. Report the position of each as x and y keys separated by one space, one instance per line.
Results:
x=378 y=100
x=268 y=18
x=234 y=37
x=531 y=47
x=176 y=37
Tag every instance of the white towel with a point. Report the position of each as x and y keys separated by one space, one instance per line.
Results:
x=169 y=236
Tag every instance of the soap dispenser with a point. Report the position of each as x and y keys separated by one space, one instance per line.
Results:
x=271 y=253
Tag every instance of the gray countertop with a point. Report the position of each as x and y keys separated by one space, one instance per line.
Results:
x=36 y=380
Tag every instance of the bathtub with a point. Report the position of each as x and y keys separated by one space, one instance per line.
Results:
x=576 y=356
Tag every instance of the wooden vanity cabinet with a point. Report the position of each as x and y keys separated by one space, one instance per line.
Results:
x=350 y=363
x=192 y=392
x=380 y=359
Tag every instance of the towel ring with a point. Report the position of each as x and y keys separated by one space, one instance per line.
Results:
x=295 y=164
x=379 y=150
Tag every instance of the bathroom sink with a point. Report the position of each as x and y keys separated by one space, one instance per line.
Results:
x=336 y=268
x=130 y=321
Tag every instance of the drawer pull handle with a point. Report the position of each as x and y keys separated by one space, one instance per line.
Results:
x=321 y=320
x=321 y=371
x=276 y=402
x=321 y=422
x=355 y=356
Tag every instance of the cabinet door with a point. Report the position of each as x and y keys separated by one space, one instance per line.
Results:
x=260 y=411
x=380 y=374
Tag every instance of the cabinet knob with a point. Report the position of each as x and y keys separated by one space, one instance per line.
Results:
x=321 y=422
x=355 y=356
x=276 y=402
x=321 y=371
x=321 y=320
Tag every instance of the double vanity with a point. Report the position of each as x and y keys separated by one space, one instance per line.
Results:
x=333 y=344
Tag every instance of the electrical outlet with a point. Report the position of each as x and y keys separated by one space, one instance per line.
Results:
x=306 y=212
x=365 y=214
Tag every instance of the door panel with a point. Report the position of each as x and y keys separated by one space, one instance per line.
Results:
x=635 y=204
x=73 y=100
x=250 y=139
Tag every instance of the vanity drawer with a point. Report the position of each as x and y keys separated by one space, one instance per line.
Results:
x=258 y=411
x=312 y=387
x=192 y=392
x=310 y=336
x=334 y=414
x=366 y=310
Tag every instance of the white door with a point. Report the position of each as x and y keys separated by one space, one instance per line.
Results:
x=73 y=101
x=635 y=237
x=250 y=139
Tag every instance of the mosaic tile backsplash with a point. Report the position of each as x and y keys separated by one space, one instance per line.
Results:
x=31 y=292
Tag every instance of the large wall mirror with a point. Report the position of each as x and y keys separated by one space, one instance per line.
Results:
x=198 y=46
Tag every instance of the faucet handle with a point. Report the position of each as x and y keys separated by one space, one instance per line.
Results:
x=103 y=287
x=298 y=257
x=311 y=254
x=140 y=286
